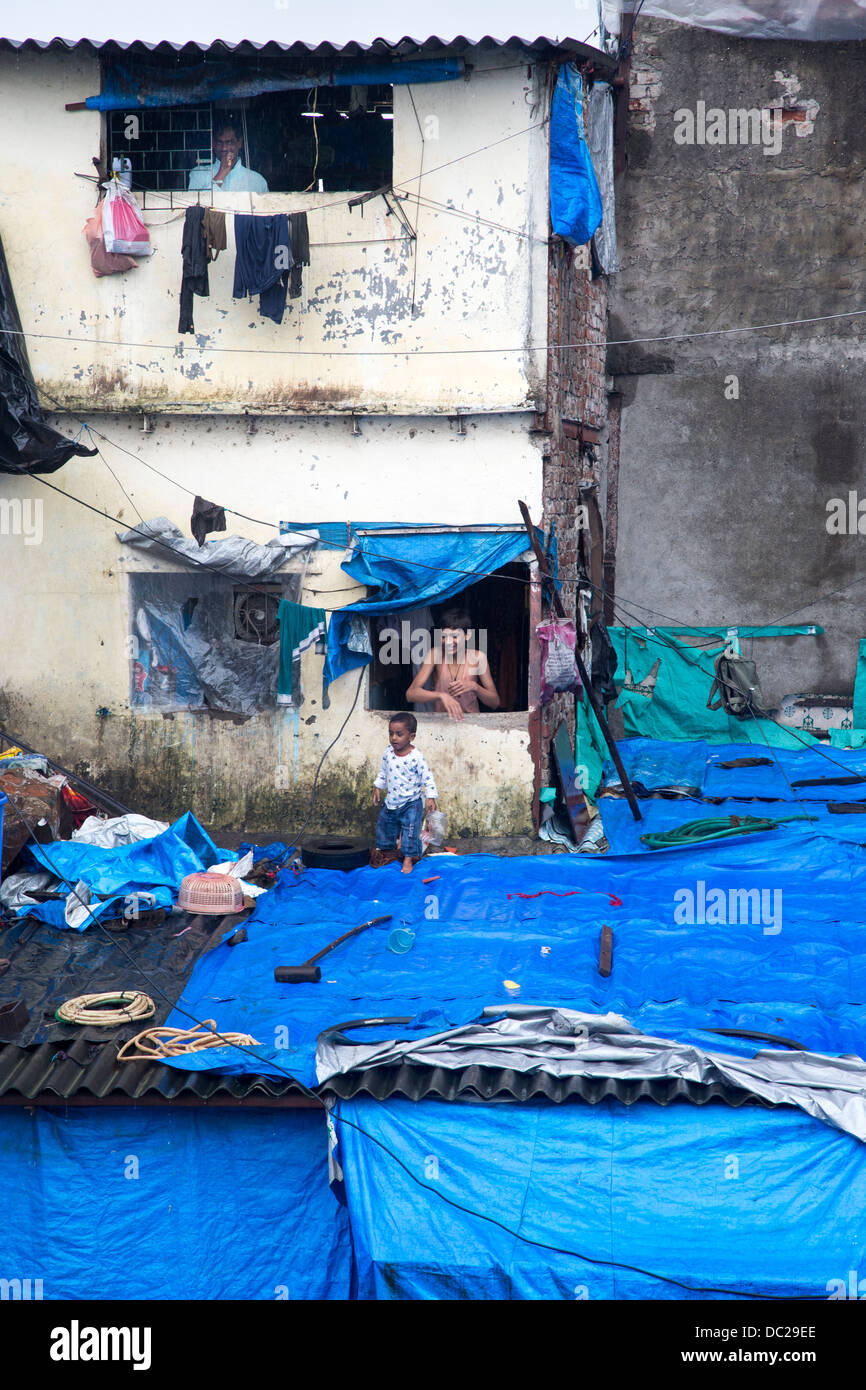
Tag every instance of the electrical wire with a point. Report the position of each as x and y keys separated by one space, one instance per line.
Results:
x=586 y=346
x=298 y=833
x=351 y=1124
x=145 y=535
x=625 y=43
x=383 y=555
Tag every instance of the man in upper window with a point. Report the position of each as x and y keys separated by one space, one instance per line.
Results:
x=228 y=171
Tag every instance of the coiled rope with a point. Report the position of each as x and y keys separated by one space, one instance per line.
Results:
x=154 y=1044
x=93 y=1011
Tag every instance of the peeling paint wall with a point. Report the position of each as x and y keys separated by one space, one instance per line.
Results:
x=65 y=622
x=464 y=283
x=66 y=616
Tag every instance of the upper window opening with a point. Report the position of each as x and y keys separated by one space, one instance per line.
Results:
x=498 y=609
x=322 y=139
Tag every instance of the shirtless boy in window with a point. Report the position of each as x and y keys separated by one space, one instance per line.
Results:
x=461 y=679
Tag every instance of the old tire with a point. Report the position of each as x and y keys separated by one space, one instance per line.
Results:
x=335 y=852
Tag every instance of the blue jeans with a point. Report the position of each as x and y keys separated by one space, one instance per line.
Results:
x=404 y=821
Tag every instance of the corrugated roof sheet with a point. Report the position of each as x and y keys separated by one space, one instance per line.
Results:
x=48 y=966
x=403 y=47
x=88 y=1073
x=495 y=1084
x=341 y=25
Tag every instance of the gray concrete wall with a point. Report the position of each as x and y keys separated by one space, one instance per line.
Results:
x=725 y=486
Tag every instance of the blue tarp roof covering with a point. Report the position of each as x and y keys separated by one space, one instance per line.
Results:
x=412 y=570
x=656 y=764
x=151 y=868
x=682 y=1202
x=126 y=1202
x=129 y=86
x=592 y=1201
x=800 y=973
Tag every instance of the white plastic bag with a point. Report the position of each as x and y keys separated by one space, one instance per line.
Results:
x=435 y=829
x=122 y=227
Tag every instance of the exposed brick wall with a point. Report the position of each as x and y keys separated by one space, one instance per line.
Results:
x=576 y=391
x=644 y=84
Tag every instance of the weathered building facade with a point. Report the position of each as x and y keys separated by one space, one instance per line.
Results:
x=420 y=378
x=743 y=206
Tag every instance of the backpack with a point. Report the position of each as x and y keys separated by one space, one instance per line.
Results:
x=738 y=686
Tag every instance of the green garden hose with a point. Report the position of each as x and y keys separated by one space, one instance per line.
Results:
x=713 y=828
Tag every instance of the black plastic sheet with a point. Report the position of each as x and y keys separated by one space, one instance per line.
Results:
x=27 y=444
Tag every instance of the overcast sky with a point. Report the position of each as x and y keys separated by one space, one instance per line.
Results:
x=333 y=21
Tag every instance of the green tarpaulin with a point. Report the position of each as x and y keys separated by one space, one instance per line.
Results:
x=665 y=680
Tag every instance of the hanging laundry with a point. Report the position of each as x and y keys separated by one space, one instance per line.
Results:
x=299 y=232
x=206 y=517
x=300 y=629
x=193 y=249
x=263 y=261
x=214 y=232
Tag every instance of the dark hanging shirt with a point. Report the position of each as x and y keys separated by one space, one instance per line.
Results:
x=263 y=261
x=193 y=249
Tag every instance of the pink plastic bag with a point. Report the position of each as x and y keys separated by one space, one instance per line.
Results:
x=122 y=227
x=101 y=262
x=558 y=667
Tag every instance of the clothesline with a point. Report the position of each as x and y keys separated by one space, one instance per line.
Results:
x=356 y=199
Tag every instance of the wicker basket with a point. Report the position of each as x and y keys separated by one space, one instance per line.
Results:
x=216 y=895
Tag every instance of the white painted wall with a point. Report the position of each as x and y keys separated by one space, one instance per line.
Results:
x=65 y=617
x=66 y=614
x=475 y=286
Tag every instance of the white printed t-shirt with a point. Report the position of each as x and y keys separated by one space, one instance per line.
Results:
x=404 y=779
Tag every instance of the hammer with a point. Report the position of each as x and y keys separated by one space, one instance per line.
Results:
x=309 y=973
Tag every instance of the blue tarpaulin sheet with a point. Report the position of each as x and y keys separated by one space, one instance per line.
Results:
x=149 y=867
x=702 y=1202
x=411 y=571
x=788 y=961
x=125 y=1203
x=656 y=764
x=762 y=933
x=128 y=86
x=575 y=201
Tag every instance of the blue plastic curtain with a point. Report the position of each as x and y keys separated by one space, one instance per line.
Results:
x=411 y=571
x=575 y=201
x=128 y=85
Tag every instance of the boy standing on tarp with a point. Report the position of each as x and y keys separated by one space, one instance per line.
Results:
x=404 y=777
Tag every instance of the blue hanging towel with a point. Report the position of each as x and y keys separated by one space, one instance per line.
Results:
x=575 y=201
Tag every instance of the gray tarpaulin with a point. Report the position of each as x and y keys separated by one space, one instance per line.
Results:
x=187 y=652
x=599 y=137
x=762 y=19
x=236 y=557
x=565 y=1042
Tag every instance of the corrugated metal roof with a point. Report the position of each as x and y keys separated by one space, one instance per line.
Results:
x=400 y=48
x=341 y=25
x=86 y=1073
x=495 y=1084
x=48 y=966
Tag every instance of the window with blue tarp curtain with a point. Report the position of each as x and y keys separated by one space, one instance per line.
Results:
x=412 y=570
